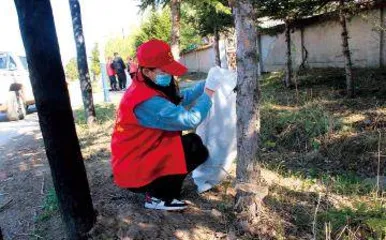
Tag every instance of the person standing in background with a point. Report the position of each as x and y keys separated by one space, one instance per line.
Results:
x=133 y=67
x=128 y=61
x=111 y=73
x=119 y=67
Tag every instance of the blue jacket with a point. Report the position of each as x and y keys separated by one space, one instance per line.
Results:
x=158 y=112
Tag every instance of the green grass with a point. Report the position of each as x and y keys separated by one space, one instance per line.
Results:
x=193 y=76
x=366 y=80
x=315 y=136
x=104 y=113
x=367 y=218
x=345 y=183
x=348 y=184
x=292 y=119
x=50 y=206
x=295 y=128
x=311 y=118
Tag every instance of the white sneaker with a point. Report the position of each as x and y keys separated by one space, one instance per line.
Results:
x=158 y=204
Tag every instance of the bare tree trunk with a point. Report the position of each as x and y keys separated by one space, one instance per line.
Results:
x=346 y=51
x=382 y=38
x=37 y=28
x=176 y=16
x=84 y=75
x=248 y=197
x=303 y=65
x=288 y=75
x=216 y=46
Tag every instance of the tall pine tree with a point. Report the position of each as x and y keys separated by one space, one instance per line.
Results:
x=212 y=19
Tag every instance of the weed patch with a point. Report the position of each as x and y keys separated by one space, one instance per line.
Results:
x=50 y=206
x=362 y=221
x=104 y=113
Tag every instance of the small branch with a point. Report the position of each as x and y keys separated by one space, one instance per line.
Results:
x=42 y=189
x=314 y=222
x=26 y=235
x=379 y=165
x=326 y=231
x=6 y=205
x=7 y=179
x=341 y=232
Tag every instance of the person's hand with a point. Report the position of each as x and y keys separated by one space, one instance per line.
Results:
x=213 y=80
x=209 y=92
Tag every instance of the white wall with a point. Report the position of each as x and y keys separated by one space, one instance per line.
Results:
x=323 y=43
x=199 y=61
x=203 y=59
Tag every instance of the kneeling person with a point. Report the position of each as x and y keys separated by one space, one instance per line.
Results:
x=149 y=153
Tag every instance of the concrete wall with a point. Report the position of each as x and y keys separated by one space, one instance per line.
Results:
x=199 y=61
x=323 y=43
x=274 y=50
x=202 y=60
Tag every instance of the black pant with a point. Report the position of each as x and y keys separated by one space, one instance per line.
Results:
x=169 y=187
x=132 y=75
x=113 y=82
x=122 y=80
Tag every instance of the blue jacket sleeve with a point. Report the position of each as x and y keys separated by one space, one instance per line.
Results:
x=160 y=113
x=191 y=94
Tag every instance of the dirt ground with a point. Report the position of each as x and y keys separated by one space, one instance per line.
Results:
x=24 y=181
x=26 y=214
x=320 y=187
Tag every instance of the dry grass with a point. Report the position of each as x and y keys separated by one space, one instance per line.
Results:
x=319 y=158
x=316 y=142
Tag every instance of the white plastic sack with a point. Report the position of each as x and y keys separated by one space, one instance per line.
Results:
x=218 y=133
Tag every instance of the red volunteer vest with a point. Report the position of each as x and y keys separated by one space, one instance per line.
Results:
x=140 y=154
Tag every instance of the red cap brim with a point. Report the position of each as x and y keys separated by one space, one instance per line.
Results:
x=175 y=68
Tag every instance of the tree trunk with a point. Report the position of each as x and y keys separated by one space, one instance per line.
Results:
x=176 y=15
x=288 y=72
x=84 y=75
x=248 y=197
x=55 y=115
x=303 y=65
x=346 y=51
x=382 y=38
x=216 y=46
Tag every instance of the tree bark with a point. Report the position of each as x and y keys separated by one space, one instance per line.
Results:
x=37 y=28
x=176 y=16
x=216 y=46
x=346 y=51
x=288 y=75
x=382 y=38
x=84 y=75
x=248 y=197
x=303 y=65
x=260 y=48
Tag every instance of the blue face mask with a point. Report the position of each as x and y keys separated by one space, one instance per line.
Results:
x=163 y=80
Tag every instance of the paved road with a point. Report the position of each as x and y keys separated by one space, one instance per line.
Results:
x=10 y=130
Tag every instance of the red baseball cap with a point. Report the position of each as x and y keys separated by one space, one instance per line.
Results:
x=157 y=54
